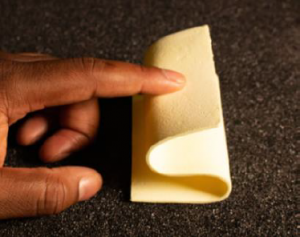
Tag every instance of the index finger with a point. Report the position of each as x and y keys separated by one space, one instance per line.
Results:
x=67 y=81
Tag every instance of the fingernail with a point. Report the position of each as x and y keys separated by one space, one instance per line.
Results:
x=88 y=187
x=175 y=77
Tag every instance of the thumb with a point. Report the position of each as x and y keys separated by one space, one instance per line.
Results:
x=42 y=191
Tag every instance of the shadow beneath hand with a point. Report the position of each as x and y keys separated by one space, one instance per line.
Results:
x=109 y=154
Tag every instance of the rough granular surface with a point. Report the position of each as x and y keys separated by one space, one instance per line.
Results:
x=257 y=53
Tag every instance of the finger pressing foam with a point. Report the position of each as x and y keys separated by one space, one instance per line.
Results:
x=179 y=151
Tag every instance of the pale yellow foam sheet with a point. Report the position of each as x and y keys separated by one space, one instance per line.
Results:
x=179 y=151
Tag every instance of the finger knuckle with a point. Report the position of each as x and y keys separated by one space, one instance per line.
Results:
x=12 y=89
x=142 y=69
x=53 y=196
x=87 y=64
x=93 y=69
x=6 y=71
x=7 y=82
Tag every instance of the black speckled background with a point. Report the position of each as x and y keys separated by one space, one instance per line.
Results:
x=257 y=52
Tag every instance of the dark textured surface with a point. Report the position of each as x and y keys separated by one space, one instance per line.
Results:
x=257 y=52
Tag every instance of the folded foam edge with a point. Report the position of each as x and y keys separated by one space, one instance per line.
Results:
x=210 y=167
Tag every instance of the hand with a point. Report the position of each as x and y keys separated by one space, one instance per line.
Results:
x=35 y=82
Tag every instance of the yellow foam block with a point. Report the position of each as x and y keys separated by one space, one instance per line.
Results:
x=179 y=151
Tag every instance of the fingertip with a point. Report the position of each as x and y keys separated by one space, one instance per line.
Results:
x=50 y=151
x=88 y=180
x=176 y=77
x=89 y=185
x=32 y=130
x=21 y=138
x=163 y=81
x=61 y=144
x=45 y=155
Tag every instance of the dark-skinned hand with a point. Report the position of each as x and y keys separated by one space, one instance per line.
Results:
x=69 y=88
